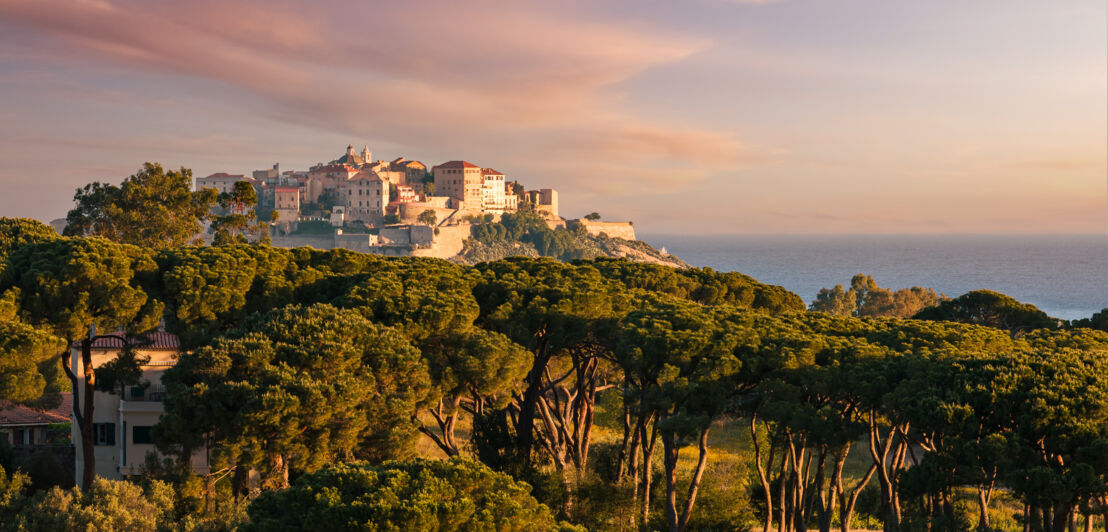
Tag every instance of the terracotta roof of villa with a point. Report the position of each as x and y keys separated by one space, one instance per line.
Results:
x=151 y=340
x=490 y=171
x=15 y=414
x=457 y=164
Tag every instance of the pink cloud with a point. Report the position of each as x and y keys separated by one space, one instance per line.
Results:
x=415 y=73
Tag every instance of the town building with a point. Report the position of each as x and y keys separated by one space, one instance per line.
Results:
x=365 y=197
x=353 y=159
x=544 y=200
x=492 y=191
x=414 y=171
x=268 y=175
x=221 y=181
x=23 y=426
x=328 y=177
x=286 y=201
x=404 y=194
x=122 y=424
x=461 y=181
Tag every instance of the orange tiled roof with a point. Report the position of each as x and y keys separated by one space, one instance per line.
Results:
x=333 y=168
x=457 y=164
x=13 y=414
x=152 y=340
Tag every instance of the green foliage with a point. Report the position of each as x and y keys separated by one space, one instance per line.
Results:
x=240 y=222
x=295 y=389
x=592 y=216
x=28 y=361
x=991 y=309
x=314 y=227
x=107 y=506
x=530 y=228
x=68 y=285
x=866 y=298
x=11 y=488
x=152 y=208
x=122 y=371
x=1098 y=320
x=391 y=219
x=15 y=232
x=425 y=495
x=427 y=217
x=702 y=285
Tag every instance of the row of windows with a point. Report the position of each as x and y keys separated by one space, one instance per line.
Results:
x=104 y=434
x=350 y=192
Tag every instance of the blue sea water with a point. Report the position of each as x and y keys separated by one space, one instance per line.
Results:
x=1064 y=275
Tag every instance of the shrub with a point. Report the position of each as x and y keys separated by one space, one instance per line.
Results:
x=456 y=494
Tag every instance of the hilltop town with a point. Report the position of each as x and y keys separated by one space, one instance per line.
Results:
x=403 y=208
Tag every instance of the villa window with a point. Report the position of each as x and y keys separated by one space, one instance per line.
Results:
x=103 y=433
x=141 y=435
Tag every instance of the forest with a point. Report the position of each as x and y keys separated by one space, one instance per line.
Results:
x=338 y=390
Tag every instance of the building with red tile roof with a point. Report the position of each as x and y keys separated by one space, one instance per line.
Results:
x=25 y=425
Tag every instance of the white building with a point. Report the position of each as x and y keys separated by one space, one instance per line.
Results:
x=122 y=425
x=492 y=191
x=222 y=182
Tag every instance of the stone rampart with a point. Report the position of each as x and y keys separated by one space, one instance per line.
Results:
x=622 y=230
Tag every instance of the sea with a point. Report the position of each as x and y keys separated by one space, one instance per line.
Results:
x=1066 y=276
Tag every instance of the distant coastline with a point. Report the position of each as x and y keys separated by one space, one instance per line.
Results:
x=1064 y=275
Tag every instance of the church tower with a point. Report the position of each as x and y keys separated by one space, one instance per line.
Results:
x=366 y=155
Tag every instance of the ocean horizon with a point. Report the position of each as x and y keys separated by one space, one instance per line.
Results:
x=1066 y=275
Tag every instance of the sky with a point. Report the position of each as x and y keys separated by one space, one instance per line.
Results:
x=698 y=116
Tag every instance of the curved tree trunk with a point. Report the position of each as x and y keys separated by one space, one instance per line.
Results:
x=83 y=406
x=694 y=484
x=670 y=454
x=767 y=491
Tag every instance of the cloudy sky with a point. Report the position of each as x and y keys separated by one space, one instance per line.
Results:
x=715 y=116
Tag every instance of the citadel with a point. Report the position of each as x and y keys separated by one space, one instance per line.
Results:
x=399 y=207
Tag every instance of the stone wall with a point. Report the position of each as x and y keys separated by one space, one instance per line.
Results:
x=296 y=241
x=622 y=230
x=54 y=462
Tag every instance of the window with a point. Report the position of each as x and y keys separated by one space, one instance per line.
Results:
x=103 y=433
x=141 y=435
x=137 y=393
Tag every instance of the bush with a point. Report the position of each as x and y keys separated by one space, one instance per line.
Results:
x=108 y=505
x=456 y=494
x=314 y=227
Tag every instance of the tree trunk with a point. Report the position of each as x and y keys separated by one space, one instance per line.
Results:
x=670 y=452
x=694 y=484
x=1061 y=519
x=647 y=467
x=83 y=406
x=848 y=502
x=525 y=436
x=767 y=491
x=983 y=509
x=622 y=456
x=782 y=503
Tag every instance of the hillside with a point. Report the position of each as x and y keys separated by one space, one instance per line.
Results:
x=527 y=235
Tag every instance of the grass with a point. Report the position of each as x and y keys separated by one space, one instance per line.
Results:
x=730 y=460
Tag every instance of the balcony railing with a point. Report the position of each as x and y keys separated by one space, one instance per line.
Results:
x=142 y=393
